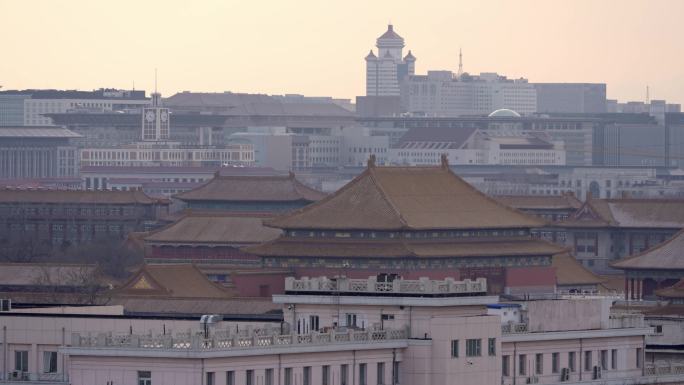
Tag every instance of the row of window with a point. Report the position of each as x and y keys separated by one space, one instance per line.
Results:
x=290 y=377
x=473 y=347
x=21 y=361
x=608 y=359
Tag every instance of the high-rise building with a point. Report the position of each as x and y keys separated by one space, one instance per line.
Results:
x=385 y=71
x=576 y=98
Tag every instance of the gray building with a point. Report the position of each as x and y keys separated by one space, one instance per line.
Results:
x=37 y=152
x=576 y=98
x=12 y=109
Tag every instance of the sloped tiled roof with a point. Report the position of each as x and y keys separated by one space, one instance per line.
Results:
x=437 y=137
x=9 y=195
x=540 y=202
x=668 y=255
x=215 y=228
x=415 y=198
x=293 y=247
x=674 y=291
x=170 y=281
x=570 y=272
x=262 y=188
x=653 y=213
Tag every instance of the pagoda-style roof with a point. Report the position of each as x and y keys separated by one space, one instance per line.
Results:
x=570 y=272
x=629 y=213
x=390 y=34
x=11 y=195
x=217 y=228
x=406 y=198
x=170 y=281
x=668 y=255
x=403 y=248
x=541 y=202
x=253 y=188
x=674 y=291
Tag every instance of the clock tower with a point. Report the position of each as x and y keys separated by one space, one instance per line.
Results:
x=155 y=121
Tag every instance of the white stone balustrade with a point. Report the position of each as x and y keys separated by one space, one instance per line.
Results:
x=422 y=286
x=225 y=339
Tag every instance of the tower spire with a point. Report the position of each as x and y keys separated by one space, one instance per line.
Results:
x=155 y=80
x=460 y=63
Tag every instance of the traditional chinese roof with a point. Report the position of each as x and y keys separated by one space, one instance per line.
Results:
x=674 y=291
x=390 y=34
x=629 y=213
x=10 y=195
x=170 y=281
x=409 y=56
x=215 y=228
x=262 y=188
x=570 y=272
x=540 y=202
x=668 y=255
x=405 y=198
x=347 y=248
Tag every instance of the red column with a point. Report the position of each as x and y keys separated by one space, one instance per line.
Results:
x=631 y=289
x=640 y=289
x=626 y=289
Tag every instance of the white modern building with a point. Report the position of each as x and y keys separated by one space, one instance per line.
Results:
x=34 y=104
x=385 y=71
x=445 y=94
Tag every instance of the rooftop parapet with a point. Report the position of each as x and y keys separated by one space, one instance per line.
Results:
x=229 y=339
x=423 y=287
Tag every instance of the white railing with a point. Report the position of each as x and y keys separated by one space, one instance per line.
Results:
x=422 y=286
x=626 y=320
x=18 y=376
x=664 y=368
x=226 y=339
x=514 y=328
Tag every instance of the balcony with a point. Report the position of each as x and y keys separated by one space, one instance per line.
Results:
x=420 y=287
x=223 y=340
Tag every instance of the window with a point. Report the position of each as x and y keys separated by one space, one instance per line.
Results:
x=454 y=348
x=539 y=363
x=351 y=320
x=473 y=347
x=145 y=378
x=306 y=376
x=506 y=366
x=604 y=359
x=288 y=376
x=587 y=361
x=492 y=346
x=381 y=373
x=325 y=373
x=49 y=362
x=395 y=372
x=362 y=374
x=210 y=378
x=249 y=377
x=522 y=364
x=344 y=374
x=571 y=362
x=555 y=362
x=639 y=358
x=21 y=360
x=313 y=322
x=230 y=377
x=268 y=377
x=658 y=329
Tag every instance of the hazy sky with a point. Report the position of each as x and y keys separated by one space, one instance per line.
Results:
x=316 y=47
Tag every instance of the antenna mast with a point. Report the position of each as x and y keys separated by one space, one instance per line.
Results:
x=460 y=63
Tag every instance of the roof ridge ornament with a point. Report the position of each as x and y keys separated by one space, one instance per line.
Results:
x=371 y=161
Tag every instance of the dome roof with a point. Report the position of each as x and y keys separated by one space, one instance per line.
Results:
x=504 y=113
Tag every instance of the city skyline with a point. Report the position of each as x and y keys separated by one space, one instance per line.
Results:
x=319 y=50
